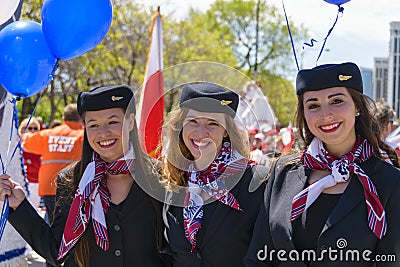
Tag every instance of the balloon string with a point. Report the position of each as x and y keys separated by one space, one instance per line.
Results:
x=2 y=165
x=340 y=10
x=55 y=67
x=15 y=117
x=16 y=123
x=311 y=44
x=291 y=37
x=6 y=207
x=11 y=128
x=4 y=216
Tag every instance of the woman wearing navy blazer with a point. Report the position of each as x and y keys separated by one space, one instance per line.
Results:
x=104 y=215
x=216 y=191
x=336 y=203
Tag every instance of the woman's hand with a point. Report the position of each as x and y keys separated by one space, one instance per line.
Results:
x=11 y=189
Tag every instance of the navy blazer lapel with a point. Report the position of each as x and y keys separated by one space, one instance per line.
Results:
x=352 y=197
x=293 y=187
x=221 y=211
x=281 y=208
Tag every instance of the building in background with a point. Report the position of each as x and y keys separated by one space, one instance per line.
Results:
x=394 y=67
x=386 y=72
x=380 y=78
x=366 y=74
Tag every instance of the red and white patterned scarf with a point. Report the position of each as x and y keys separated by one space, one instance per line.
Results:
x=92 y=200
x=211 y=181
x=315 y=157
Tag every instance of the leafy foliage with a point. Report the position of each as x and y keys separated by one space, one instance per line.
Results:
x=238 y=19
x=225 y=33
x=281 y=96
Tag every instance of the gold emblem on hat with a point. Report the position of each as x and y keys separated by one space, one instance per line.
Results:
x=225 y=102
x=116 y=98
x=344 y=77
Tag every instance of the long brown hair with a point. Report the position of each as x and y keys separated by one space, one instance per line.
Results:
x=172 y=134
x=143 y=166
x=366 y=125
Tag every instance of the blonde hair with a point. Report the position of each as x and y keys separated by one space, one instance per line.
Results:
x=24 y=122
x=172 y=138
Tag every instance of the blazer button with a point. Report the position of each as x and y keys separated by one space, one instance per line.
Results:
x=117 y=252
x=117 y=228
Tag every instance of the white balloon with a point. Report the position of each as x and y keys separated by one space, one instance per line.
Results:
x=7 y=9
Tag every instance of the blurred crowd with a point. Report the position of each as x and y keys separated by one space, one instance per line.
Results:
x=269 y=140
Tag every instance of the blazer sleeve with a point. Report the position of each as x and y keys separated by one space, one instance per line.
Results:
x=45 y=240
x=388 y=248
x=261 y=240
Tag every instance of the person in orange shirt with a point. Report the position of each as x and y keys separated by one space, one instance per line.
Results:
x=58 y=147
x=31 y=161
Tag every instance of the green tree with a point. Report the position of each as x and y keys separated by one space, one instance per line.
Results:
x=281 y=96
x=225 y=34
x=121 y=56
x=236 y=21
x=187 y=41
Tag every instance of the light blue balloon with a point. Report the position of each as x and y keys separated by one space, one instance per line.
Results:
x=26 y=63
x=74 y=27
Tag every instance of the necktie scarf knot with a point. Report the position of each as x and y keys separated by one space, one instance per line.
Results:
x=92 y=201
x=316 y=157
x=211 y=181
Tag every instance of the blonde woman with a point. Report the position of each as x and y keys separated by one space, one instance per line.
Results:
x=215 y=190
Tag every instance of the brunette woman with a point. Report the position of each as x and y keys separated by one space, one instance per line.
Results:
x=336 y=203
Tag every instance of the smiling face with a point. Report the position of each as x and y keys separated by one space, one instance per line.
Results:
x=203 y=133
x=107 y=132
x=330 y=115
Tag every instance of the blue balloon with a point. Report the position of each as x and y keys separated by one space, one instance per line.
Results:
x=74 y=27
x=26 y=63
x=337 y=2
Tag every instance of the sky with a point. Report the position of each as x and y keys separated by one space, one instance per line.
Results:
x=361 y=33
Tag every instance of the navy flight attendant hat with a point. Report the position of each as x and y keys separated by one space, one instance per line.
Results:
x=209 y=97
x=329 y=75
x=105 y=97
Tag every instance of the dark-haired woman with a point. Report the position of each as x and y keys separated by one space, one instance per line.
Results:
x=102 y=217
x=216 y=190
x=336 y=203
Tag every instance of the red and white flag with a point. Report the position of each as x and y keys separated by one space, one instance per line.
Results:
x=151 y=106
